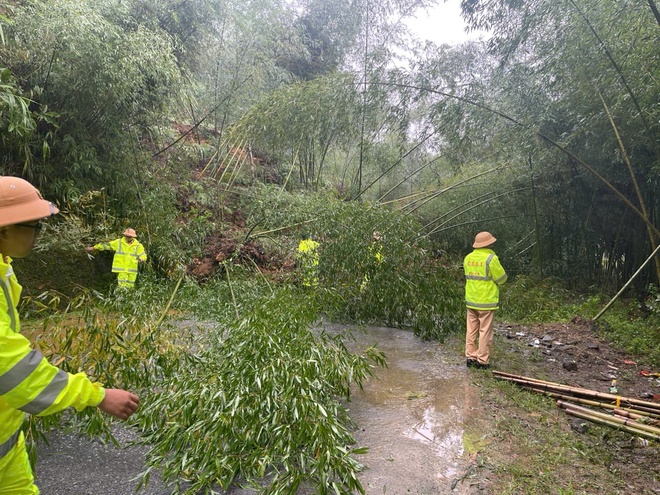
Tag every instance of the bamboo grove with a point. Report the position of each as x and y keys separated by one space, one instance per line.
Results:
x=561 y=100
x=255 y=121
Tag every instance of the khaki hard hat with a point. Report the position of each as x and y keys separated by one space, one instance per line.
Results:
x=129 y=233
x=483 y=239
x=21 y=202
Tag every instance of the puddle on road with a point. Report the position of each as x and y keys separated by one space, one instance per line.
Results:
x=412 y=415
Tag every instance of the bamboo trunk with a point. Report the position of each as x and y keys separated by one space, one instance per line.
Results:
x=522 y=380
x=635 y=416
x=530 y=379
x=624 y=421
x=628 y=429
x=629 y=410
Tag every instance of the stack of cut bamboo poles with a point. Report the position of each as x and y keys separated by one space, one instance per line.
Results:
x=639 y=417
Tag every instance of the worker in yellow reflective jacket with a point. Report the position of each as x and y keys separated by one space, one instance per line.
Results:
x=483 y=276
x=28 y=382
x=128 y=254
x=308 y=260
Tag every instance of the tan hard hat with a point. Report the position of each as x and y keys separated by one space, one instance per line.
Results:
x=483 y=239
x=21 y=202
x=129 y=233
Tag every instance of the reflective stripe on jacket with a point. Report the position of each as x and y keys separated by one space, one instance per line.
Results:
x=483 y=276
x=126 y=255
x=28 y=382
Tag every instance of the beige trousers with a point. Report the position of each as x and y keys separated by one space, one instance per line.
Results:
x=479 y=326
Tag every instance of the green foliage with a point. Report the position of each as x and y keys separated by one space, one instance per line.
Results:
x=300 y=122
x=406 y=288
x=18 y=125
x=638 y=334
x=525 y=299
x=484 y=197
x=259 y=400
x=15 y=116
x=170 y=240
x=122 y=78
x=120 y=351
x=652 y=301
x=188 y=24
x=327 y=30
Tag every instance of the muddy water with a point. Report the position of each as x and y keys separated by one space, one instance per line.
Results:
x=412 y=416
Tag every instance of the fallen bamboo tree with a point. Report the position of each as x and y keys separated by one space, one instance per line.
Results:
x=631 y=423
x=640 y=405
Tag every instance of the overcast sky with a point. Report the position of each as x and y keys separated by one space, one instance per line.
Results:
x=441 y=24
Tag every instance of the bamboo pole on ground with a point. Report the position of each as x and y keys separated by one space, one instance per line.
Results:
x=635 y=416
x=526 y=381
x=528 y=378
x=624 y=421
x=612 y=424
x=638 y=406
x=603 y=405
x=615 y=399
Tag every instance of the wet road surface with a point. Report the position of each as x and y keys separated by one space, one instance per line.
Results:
x=412 y=416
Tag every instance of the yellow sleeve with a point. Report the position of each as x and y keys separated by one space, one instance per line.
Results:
x=497 y=272
x=28 y=382
x=107 y=246
x=142 y=255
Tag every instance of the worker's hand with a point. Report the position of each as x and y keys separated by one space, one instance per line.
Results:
x=119 y=403
x=90 y=249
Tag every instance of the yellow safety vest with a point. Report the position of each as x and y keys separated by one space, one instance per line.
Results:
x=28 y=382
x=308 y=256
x=308 y=251
x=125 y=261
x=483 y=276
x=375 y=249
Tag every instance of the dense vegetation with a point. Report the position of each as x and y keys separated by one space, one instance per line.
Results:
x=209 y=123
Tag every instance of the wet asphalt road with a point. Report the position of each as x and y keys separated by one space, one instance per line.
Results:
x=75 y=465
x=412 y=416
